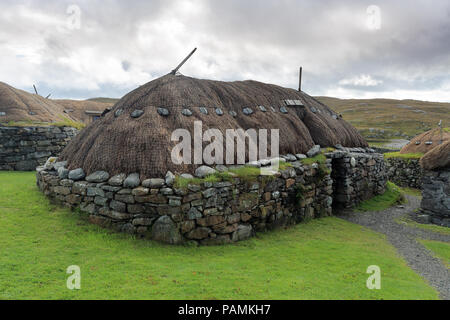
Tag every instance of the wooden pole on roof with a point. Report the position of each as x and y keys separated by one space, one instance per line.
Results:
x=174 y=71
x=35 y=90
x=300 y=80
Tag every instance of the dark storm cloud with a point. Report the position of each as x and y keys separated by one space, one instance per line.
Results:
x=123 y=44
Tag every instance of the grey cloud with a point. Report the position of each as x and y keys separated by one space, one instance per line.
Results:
x=262 y=39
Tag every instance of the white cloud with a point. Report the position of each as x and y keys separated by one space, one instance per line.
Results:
x=363 y=80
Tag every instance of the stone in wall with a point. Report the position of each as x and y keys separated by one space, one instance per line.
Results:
x=25 y=148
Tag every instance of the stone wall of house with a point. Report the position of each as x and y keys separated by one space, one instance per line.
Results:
x=436 y=197
x=25 y=148
x=404 y=172
x=358 y=174
x=206 y=213
x=217 y=212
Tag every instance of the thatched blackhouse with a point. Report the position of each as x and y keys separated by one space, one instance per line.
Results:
x=426 y=141
x=437 y=158
x=135 y=135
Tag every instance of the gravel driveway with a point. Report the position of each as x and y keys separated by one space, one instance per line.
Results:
x=404 y=238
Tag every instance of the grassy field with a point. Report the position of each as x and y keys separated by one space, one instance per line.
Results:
x=440 y=249
x=323 y=259
x=390 y=118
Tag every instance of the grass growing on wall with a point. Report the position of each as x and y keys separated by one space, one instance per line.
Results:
x=324 y=259
x=403 y=156
x=64 y=122
x=393 y=195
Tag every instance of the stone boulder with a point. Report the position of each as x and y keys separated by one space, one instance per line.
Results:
x=165 y=230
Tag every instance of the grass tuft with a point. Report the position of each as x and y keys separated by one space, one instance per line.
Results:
x=403 y=156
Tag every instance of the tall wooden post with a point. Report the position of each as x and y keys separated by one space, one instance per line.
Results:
x=300 y=80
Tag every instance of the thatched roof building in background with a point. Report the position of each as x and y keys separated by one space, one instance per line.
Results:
x=437 y=158
x=121 y=143
x=80 y=109
x=19 y=105
x=426 y=141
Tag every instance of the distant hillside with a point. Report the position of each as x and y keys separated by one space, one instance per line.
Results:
x=77 y=108
x=104 y=100
x=390 y=119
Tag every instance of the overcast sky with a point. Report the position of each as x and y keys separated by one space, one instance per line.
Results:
x=348 y=49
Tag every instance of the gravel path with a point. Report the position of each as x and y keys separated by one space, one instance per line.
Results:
x=404 y=238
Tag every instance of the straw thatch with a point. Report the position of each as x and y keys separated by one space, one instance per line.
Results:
x=19 y=105
x=123 y=144
x=421 y=143
x=437 y=158
x=78 y=108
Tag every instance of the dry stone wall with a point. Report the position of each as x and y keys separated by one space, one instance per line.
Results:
x=436 y=197
x=357 y=176
x=209 y=213
x=25 y=148
x=404 y=172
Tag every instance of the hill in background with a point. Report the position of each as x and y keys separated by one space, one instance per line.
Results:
x=385 y=119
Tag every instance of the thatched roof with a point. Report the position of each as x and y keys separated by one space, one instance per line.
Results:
x=122 y=144
x=19 y=105
x=425 y=141
x=437 y=158
x=78 y=108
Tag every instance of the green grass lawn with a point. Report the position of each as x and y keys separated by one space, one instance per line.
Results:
x=323 y=259
x=393 y=195
x=440 y=250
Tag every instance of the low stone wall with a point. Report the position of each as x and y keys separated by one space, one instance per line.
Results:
x=217 y=212
x=436 y=197
x=357 y=176
x=25 y=148
x=208 y=213
x=404 y=172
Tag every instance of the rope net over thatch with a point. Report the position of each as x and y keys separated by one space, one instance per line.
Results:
x=119 y=143
x=437 y=158
x=426 y=141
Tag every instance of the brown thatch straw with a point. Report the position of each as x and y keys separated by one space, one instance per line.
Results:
x=419 y=143
x=437 y=158
x=125 y=145
x=20 y=105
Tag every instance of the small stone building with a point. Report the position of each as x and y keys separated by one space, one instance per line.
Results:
x=120 y=172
